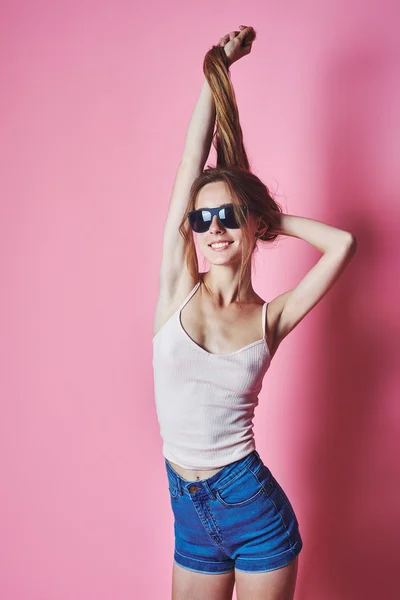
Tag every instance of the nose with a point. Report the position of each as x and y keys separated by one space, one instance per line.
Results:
x=216 y=226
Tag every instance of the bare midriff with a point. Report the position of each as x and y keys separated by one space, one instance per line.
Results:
x=193 y=474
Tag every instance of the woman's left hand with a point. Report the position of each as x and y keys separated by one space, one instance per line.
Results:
x=238 y=43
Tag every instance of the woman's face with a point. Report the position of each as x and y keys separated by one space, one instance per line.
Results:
x=213 y=195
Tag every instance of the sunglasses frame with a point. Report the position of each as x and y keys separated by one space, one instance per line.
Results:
x=215 y=211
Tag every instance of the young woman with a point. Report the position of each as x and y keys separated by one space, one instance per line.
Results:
x=214 y=341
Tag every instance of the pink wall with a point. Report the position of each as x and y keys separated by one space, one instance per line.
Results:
x=95 y=101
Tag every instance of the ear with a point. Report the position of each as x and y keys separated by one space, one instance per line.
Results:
x=261 y=227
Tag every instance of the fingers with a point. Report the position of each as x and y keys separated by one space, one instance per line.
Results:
x=244 y=31
x=249 y=33
x=228 y=37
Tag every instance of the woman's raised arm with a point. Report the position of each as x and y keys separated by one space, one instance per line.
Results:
x=200 y=130
x=196 y=150
x=175 y=278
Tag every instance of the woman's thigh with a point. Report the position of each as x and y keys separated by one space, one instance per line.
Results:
x=201 y=586
x=278 y=584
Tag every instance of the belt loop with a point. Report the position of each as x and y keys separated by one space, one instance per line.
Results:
x=174 y=478
x=179 y=485
x=209 y=490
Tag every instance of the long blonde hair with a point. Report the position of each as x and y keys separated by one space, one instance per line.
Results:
x=232 y=168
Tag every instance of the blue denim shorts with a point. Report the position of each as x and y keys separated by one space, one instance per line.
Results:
x=240 y=517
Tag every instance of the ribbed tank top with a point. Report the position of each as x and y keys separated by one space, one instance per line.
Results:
x=205 y=402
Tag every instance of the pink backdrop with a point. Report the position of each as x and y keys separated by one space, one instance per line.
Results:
x=96 y=98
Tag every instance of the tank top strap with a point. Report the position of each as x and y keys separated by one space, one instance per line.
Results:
x=264 y=318
x=188 y=297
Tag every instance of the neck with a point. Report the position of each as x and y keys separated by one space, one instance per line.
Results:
x=223 y=285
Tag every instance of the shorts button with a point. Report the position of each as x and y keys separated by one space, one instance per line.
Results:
x=193 y=489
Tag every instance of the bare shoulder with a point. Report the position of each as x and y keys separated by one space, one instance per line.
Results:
x=168 y=303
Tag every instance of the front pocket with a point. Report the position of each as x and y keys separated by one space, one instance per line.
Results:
x=241 y=490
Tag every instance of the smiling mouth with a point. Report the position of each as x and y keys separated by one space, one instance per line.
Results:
x=219 y=245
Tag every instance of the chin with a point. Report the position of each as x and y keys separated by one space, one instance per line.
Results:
x=218 y=258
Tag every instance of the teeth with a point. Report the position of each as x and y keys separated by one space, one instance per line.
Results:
x=220 y=244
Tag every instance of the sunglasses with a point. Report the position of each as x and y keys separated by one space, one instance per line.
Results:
x=200 y=220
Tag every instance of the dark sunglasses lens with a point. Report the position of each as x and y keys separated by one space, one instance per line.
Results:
x=229 y=219
x=200 y=220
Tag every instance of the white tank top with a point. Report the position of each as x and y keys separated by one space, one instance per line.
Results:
x=205 y=402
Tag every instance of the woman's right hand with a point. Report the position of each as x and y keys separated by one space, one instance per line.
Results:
x=238 y=43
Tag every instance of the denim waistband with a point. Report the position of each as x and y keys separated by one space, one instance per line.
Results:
x=209 y=485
